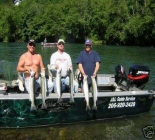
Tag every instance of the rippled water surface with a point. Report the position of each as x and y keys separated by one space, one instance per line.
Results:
x=124 y=128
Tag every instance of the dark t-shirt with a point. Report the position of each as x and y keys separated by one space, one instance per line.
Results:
x=88 y=61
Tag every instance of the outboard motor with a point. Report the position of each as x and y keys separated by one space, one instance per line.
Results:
x=138 y=76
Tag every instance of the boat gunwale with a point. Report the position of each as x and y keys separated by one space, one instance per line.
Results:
x=22 y=96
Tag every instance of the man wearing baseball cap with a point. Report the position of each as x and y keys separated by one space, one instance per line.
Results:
x=32 y=62
x=88 y=61
x=62 y=60
x=61 y=41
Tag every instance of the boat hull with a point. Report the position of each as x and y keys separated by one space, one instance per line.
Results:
x=15 y=108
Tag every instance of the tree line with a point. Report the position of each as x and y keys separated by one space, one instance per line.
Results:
x=111 y=22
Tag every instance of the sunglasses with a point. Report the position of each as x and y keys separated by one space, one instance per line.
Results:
x=32 y=44
x=60 y=43
x=87 y=46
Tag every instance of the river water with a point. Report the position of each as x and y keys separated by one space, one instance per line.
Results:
x=123 y=128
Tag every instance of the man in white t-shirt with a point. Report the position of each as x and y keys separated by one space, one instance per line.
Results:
x=62 y=60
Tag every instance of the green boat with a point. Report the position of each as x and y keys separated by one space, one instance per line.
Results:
x=115 y=98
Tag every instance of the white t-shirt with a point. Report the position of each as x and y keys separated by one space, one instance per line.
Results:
x=63 y=60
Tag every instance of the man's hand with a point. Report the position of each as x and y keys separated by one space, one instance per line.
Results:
x=94 y=74
x=70 y=67
x=56 y=67
x=42 y=73
x=83 y=74
x=32 y=73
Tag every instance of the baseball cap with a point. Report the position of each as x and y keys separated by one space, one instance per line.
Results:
x=61 y=40
x=31 y=42
x=88 y=42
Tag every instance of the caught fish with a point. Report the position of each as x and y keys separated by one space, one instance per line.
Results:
x=71 y=84
x=20 y=77
x=32 y=90
x=43 y=90
x=94 y=91
x=58 y=84
x=20 y=82
x=49 y=73
x=76 y=74
x=86 y=92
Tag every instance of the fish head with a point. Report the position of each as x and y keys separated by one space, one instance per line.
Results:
x=69 y=71
x=59 y=71
x=85 y=77
x=92 y=78
x=32 y=73
x=77 y=72
x=42 y=74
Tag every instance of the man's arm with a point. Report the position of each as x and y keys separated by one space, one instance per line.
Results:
x=79 y=62
x=41 y=63
x=20 y=66
x=81 y=68
x=96 y=68
x=70 y=63
x=97 y=65
x=52 y=62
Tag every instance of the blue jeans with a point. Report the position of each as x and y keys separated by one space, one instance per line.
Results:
x=65 y=85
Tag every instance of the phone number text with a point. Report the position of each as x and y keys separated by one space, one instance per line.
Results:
x=121 y=104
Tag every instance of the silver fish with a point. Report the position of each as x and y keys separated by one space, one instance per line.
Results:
x=49 y=72
x=58 y=84
x=94 y=91
x=20 y=81
x=32 y=91
x=76 y=74
x=86 y=91
x=71 y=84
x=43 y=90
x=20 y=77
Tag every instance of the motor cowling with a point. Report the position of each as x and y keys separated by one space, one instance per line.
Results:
x=138 y=75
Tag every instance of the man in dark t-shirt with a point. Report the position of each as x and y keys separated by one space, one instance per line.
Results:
x=88 y=61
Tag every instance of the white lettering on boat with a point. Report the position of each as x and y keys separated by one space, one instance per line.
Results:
x=118 y=99
x=122 y=102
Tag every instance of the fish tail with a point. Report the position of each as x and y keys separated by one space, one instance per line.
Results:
x=33 y=107
x=44 y=106
x=71 y=100
x=87 y=107
x=94 y=107
x=59 y=100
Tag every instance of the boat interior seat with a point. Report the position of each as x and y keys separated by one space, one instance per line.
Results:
x=106 y=82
